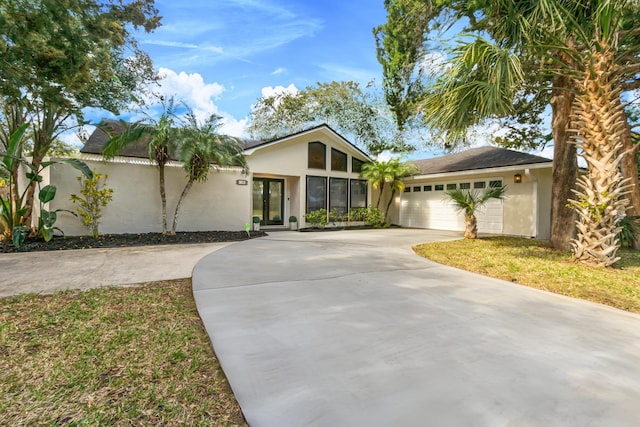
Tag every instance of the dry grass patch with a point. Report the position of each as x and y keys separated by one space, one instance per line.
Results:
x=111 y=356
x=532 y=263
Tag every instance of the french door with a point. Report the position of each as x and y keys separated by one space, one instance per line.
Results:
x=268 y=200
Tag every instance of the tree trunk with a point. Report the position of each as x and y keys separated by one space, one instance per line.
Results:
x=600 y=127
x=177 y=211
x=471 y=227
x=630 y=171
x=386 y=212
x=565 y=165
x=163 y=199
x=29 y=198
x=380 y=195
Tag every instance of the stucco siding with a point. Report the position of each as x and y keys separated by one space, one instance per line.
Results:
x=218 y=204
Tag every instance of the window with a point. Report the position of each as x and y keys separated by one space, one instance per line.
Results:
x=356 y=165
x=338 y=196
x=439 y=187
x=338 y=160
x=358 y=193
x=317 y=155
x=407 y=189
x=452 y=186
x=497 y=183
x=316 y=193
x=465 y=185
x=428 y=188
x=417 y=189
x=479 y=184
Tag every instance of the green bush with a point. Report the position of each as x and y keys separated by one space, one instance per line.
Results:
x=317 y=218
x=94 y=196
x=630 y=232
x=373 y=217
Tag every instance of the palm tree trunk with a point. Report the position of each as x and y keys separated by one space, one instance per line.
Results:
x=565 y=165
x=163 y=198
x=471 y=227
x=386 y=212
x=380 y=195
x=185 y=191
x=630 y=172
x=600 y=124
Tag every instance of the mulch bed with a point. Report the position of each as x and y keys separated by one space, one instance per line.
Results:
x=59 y=243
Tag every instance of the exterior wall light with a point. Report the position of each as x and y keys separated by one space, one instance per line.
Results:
x=517 y=178
x=242 y=182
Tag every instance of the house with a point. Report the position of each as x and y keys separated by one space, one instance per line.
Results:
x=524 y=212
x=313 y=169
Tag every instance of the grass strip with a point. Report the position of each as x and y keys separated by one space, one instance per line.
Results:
x=533 y=263
x=111 y=356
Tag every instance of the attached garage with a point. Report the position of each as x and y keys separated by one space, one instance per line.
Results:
x=524 y=212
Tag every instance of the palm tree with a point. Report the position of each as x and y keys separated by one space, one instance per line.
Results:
x=390 y=172
x=200 y=149
x=470 y=201
x=162 y=135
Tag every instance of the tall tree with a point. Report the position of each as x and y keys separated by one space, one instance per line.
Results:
x=345 y=106
x=200 y=149
x=161 y=134
x=60 y=57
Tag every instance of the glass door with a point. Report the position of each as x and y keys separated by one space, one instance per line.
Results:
x=268 y=200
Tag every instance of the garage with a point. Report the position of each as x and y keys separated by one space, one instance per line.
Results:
x=425 y=205
x=525 y=210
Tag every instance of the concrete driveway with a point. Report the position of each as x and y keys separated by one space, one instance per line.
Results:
x=352 y=329
x=46 y=272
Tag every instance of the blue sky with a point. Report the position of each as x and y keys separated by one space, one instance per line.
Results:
x=221 y=56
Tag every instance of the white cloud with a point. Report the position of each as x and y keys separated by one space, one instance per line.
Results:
x=278 y=71
x=182 y=45
x=273 y=91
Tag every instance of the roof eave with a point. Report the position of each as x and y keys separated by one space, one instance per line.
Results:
x=500 y=169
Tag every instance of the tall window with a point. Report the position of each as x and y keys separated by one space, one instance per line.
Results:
x=338 y=196
x=316 y=193
x=356 y=165
x=338 y=160
x=317 y=155
x=358 y=194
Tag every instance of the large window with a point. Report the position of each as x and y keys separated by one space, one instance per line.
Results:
x=317 y=155
x=338 y=160
x=356 y=165
x=338 y=196
x=358 y=194
x=316 y=193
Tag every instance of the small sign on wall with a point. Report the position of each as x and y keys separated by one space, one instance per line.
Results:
x=242 y=182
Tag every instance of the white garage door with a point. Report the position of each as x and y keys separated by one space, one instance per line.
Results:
x=426 y=206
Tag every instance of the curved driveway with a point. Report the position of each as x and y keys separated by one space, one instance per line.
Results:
x=353 y=329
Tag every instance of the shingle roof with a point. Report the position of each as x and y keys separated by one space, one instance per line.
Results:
x=139 y=149
x=477 y=158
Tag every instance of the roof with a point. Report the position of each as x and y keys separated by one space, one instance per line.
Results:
x=99 y=139
x=258 y=144
x=139 y=149
x=478 y=158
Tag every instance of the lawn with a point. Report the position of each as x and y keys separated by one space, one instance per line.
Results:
x=111 y=356
x=532 y=263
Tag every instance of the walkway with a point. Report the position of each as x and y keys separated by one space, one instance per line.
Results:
x=352 y=329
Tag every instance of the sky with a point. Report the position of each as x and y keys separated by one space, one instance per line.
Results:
x=221 y=56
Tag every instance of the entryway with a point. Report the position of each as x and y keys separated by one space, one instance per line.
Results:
x=268 y=200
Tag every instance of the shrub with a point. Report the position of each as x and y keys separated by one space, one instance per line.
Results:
x=373 y=217
x=94 y=197
x=317 y=218
x=630 y=232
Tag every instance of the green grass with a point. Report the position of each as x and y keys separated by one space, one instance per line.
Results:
x=111 y=356
x=532 y=263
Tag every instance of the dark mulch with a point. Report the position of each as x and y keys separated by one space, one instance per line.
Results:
x=126 y=240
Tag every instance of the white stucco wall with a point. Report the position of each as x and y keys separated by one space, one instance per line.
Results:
x=288 y=159
x=218 y=204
